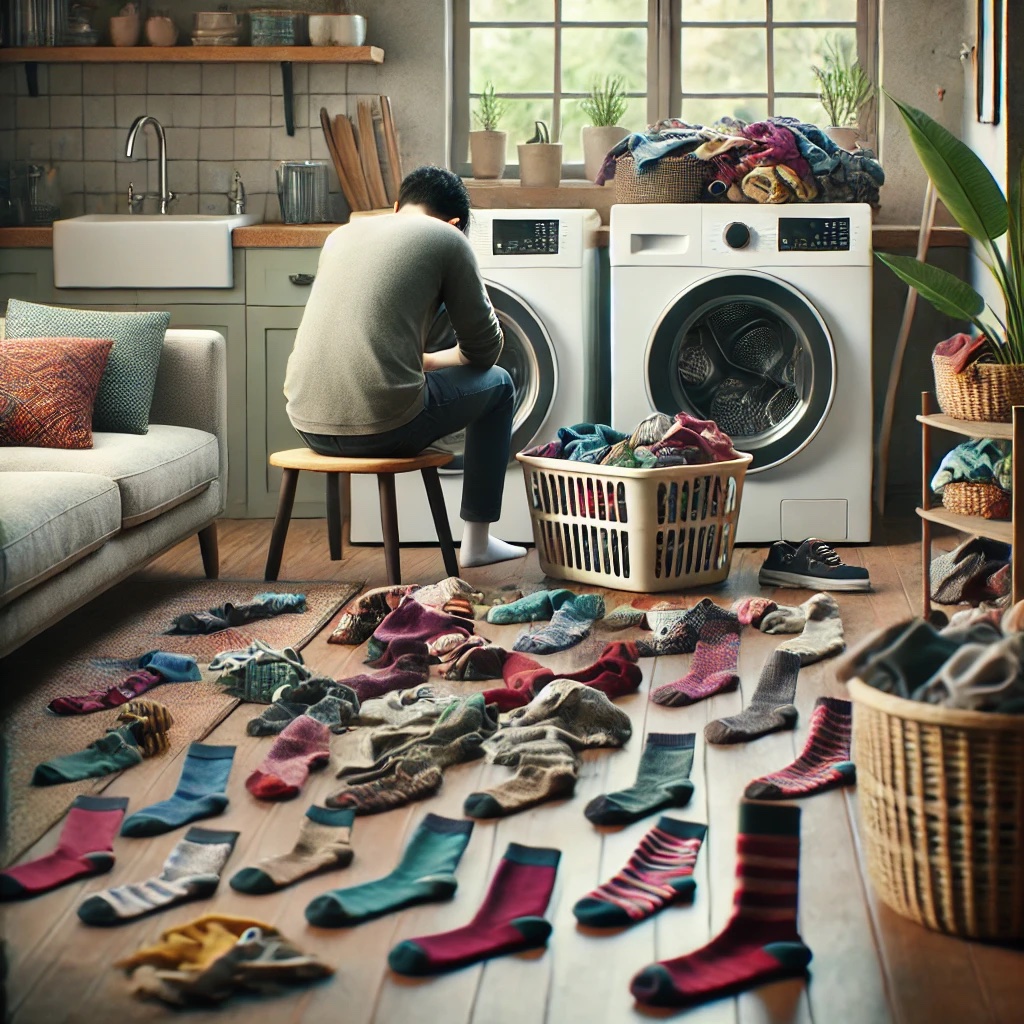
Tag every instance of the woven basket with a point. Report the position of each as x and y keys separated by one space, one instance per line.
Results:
x=941 y=796
x=974 y=499
x=674 y=179
x=983 y=391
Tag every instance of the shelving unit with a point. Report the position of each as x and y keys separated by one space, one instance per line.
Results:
x=994 y=529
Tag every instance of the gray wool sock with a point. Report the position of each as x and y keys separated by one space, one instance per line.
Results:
x=624 y=617
x=771 y=707
x=274 y=717
x=676 y=631
x=568 y=626
x=786 y=618
x=822 y=635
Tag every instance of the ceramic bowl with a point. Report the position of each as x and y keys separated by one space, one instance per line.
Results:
x=226 y=21
x=161 y=31
x=337 y=29
x=125 y=30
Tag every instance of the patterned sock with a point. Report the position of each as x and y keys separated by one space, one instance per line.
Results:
x=274 y=717
x=362 y=615
x=199 y=794
x=85 y=848
x=568 y=626
x=149 y=723
x=324 y=843
x=760 y=943
x=410 y=623
x=751 y=610
x=112 y=752
x=662 y=780
x=102 y=700
x=824 y=763
x=425 y=874
x=676 y=631
x=659 y=872
x=407 y=671
x=510 y=919
x=713 y=668
x=771 y=707
x=302 y=746
x=474 y=662
x=191 y=872
x=784 y=619
x=224 y=616
x=437 y=595
x=822 y=635
x=624 y=617
x=537 y=607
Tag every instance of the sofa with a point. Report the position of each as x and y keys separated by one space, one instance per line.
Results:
x=75 y=522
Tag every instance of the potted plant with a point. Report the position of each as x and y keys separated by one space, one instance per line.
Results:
x=604 y=106
x=976 y=378
x=843 y=88
x=540 y=159
x=487 y=146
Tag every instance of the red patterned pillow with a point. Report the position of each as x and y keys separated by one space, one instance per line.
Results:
x=47 y=390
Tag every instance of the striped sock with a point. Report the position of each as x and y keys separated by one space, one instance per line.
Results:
x=659 y=872
x=760 y=943
x=824 y=763
x=713 y=668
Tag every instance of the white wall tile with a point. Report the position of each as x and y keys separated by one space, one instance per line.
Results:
x=67 y=145
x=129 y=106
x=215 y=176
x=130 y=78
x=71 y=178
x=98 y=111
x=175 y=79
x=219 y=79
x=186 y=204
x=21 y=82
x=101 y=203
x=216 y=143
x=183 y=175
x=99 y=175
x=217 y=111
x=98 y=79
x=183 y=143
x=289 y=147
x=330 y=78
x=65 y=80
x=72 y=204
x=33 y=144
x=254 y=79
x=187 y=112
x=102 y=143
x=65 y=111
x=252 y=143
x=253 y=110
x=32 y=111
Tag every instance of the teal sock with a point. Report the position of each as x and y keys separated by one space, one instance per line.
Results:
x=532 y=608
x=200 y=793
x=568 y=626
x=423 y=875
x=662 y=780
x=112 y=752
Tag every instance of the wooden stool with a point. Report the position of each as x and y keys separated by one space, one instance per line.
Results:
x=335 y=467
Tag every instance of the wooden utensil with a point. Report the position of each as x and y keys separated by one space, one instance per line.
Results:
x=346 y=143
x=391 y=141
x=332 y=146
x=368 y=155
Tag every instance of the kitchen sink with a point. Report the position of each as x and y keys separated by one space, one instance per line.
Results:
x=108 y=250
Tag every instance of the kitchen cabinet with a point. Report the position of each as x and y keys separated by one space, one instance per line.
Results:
x=25 y=274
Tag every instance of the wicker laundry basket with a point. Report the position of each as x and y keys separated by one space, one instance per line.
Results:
x=983 y=391
x=941 y=796
x=674 y=179
x=966 y=498
x=642 y=530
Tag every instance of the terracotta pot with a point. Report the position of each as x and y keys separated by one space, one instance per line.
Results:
x=161 y=31
x=844 y=138
x=487 y=153
x=540 y=164
x=596 y=143
x=125 y=30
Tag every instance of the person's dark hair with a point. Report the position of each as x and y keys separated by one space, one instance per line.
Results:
x=443 y=193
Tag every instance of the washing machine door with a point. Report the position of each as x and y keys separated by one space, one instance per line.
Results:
x=527 y=355
x=750 y=352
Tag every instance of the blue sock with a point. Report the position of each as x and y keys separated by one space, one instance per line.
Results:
x=200 y=793
x=175 y=668
x=568 y=626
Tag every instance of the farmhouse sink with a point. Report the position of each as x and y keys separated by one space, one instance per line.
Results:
x=108 y=250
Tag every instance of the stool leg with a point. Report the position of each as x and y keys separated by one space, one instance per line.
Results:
x=285 y=501
x=334 y=514
x=389 y=526
x=432 y=485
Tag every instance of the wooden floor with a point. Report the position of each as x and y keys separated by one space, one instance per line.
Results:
x=869 y=967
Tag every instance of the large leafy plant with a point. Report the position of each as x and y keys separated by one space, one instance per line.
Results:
x=973 y=196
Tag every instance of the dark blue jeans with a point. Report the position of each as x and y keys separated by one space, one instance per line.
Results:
x=482 y=401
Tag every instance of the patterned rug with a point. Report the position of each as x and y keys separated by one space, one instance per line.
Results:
x=125 y=623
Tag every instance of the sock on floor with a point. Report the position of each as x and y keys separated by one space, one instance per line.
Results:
x=624 y=617
x=199 y=793
x=149 y=723
x=407 y=671
x=363 y=614
x=659 y=872
x=713 y=668
x=425 y=874
x=115 y=750
x=662 y=780
x=760 y=943
x=784 y=618
x=536 y=607
x=191 y=872
x=510 y=919
x=822 y=634
x=85 y=847
x=824 y=763
x=112 y=697
x=771 y=707
x=303 y=746
x=676 y=631
x=751 y=610
x=568 y=626
x=324 y=843
x=273 y=719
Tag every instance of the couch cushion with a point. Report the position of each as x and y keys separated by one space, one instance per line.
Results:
x=154 y=471
x=50 y=520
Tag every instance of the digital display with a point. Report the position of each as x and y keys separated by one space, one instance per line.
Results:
x=524 y=237
x=814 y=234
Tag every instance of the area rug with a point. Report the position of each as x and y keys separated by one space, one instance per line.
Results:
x=123 y=624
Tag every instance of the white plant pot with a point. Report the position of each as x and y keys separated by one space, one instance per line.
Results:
x=540 y=164
x=487 y=153
x=596 y=143
x=844 y=138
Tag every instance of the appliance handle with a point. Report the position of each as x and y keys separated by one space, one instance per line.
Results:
x=302 y=279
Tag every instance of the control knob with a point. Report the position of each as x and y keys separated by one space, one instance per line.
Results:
x=737 y=235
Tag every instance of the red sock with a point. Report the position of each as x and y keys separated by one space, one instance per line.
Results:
x=100 y=700
x=302 y=746
x=84 y=848
x=713 y=668
x=510 y=919
x=760 y=943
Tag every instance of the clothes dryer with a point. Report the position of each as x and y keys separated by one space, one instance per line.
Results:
x=758 y=317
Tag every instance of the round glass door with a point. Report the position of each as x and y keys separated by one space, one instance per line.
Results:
x=527 y=355
x=751 y=354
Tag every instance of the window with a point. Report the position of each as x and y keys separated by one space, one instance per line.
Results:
x=696 y=59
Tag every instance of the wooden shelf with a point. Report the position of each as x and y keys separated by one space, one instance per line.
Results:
x=969 y=428
x=193 y=54
x=994 y=529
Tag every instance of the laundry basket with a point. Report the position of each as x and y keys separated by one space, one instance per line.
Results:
x=941 y=796
x=644 y=530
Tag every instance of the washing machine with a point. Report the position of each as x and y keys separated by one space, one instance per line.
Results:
x=758 y=317
x=540 y=270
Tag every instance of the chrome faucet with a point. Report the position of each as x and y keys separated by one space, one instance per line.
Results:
x=166 y=195
x=236 y=197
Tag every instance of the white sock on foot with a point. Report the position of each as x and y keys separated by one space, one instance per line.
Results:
x=480 y=548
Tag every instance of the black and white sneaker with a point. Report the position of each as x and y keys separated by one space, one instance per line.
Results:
x=813 y=565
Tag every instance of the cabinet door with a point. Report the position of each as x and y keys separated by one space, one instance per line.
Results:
x=25 y=274
x=279 y=277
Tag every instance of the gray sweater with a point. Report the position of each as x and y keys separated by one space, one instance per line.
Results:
x=357 y=363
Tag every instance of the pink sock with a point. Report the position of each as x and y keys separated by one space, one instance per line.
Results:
x=408 y=671
x=100 y=700
x=303 y=745
x=713 y=668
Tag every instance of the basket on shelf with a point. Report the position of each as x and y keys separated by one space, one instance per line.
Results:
x=983 y=391
x=642 y=530
x=674 y=179
x=977 y=499
x=942 y=812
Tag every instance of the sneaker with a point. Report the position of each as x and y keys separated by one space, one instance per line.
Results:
x=813 y=565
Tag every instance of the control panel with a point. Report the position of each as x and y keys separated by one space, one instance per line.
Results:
x=816 y=234
x=524 y=237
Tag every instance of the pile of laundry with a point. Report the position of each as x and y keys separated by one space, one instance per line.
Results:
x=779 y=160
x=976 y=571
x=980 y=461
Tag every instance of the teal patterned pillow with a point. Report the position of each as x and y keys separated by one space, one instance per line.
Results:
x=126 y=389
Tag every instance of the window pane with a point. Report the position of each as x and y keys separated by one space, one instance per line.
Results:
x=604 y=10
x=721 y=10
x=796 y=49
x=725 y=60
x=573 y=119
x=705 y=110
x=589 y=54
x=802 y=107
x=518 y=122
x=511 y=10
x=814 y=10
x=514 y=59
